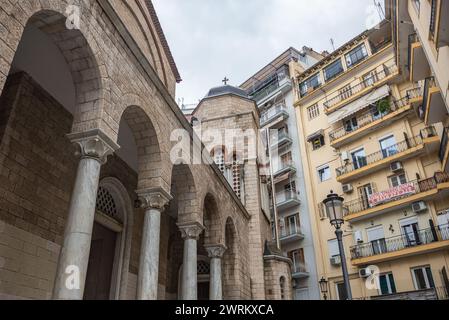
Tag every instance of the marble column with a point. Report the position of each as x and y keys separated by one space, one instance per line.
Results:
x=216 y=253
x=154 y=202
x=189 y=283
x=94 y=148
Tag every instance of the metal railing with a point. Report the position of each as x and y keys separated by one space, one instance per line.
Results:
x=376 y=77
x=273 y=113
x=419 y=186
x=281 y=136
x=282 y=197
x=290 y=231
x=369 y=117
x=281 y=75
x=300 y=267
x=444 y=144
x=398 y=243
x=285 y=165
x=386 y=153
x=429 y=83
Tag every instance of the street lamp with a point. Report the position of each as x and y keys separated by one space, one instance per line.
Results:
x=324 y=288
x=334 y=209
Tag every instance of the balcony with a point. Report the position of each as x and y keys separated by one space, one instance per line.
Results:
x=444 y=150
x=368 y=121
x=362 y=87
x=397 y=198
x=287 y=199
x=425 y=143
x=281 y=139
x=406 y=245
x=300 y=270
x=291 y=234
x=433 y=107
x=418 y=64
x=274 y=115
x=284 y=168
x=277 y=84
x=439 y=293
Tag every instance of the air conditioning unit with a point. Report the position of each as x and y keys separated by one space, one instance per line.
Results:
x=396 y=166
x=348 y=188
x=344 y=156
x=419 y=207
x=336 y=261
x=365 y=273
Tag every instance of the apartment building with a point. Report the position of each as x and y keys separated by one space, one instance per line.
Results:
x=423 y=48
x=272 y=89
x=362 y=135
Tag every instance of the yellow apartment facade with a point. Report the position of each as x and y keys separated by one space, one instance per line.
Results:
x=363 y=137
x=423 y=48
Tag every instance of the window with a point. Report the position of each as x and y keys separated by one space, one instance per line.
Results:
x=376 y=237
x=309 y=85
x=334 y=251
x=282 y=284
x=398 y=180
x=351 y=124
x=433 y=19
x=377 y=114
x=356 y=55
x=387 y=284
x=333 y=70
x=388 y=146
x=358 y=237
x=423 y=278
x=359 y=159
x=410 y=232
x=219 y=159
x=324 y=173
x=298 y=259
x=318 y=142
x=365 y=193
x=237 y=177
x=292 y=225
x=313 y=111
x=286 y=160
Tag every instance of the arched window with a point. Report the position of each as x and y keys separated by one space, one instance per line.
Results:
x=282 y=285
x=237 y=177
x=218 y=154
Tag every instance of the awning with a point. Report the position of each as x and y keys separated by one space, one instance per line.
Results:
x=359 y=104
x=319 y=133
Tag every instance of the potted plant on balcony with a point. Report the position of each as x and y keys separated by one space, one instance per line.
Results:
x=383 y=106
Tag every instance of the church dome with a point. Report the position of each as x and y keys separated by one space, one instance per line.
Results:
x=227 y=89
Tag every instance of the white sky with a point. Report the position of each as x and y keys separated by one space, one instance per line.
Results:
x=211 y=39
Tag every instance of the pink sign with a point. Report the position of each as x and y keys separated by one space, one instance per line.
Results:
x=393 y=193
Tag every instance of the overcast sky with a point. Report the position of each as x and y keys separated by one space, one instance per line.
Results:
x=211 y=39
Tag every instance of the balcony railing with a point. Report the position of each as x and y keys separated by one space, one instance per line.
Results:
x=279 y=79
x=413 y=188
x=398 y=243
x=444 y=144
x=284 y=166
x=290 y=231
x=299 y=267
x=286 y=196
x=273 y=113
x=369 y=117
x=428 y=84
x=386 y=153
x=372 y=80
x=280 y=138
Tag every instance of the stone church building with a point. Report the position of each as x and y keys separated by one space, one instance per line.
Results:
x=91 y=204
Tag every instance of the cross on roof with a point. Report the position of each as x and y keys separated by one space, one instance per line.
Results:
x=225 y=81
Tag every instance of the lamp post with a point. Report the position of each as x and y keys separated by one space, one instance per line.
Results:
x=334 y=209
x=324 y=288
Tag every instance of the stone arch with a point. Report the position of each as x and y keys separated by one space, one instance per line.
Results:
x=78 y=49
x=122 y=257
x=231 y=263
x=185 y=204
x=148 y=154
x=212 y=221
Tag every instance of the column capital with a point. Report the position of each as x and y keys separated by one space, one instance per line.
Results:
x=154 y=198
x=215 y=250
x=94 y=144
x=191 y=230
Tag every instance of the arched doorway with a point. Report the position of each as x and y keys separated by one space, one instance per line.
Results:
x=203 y=275
x=111 y=243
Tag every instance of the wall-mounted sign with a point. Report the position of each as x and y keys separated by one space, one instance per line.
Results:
x=392 y=194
